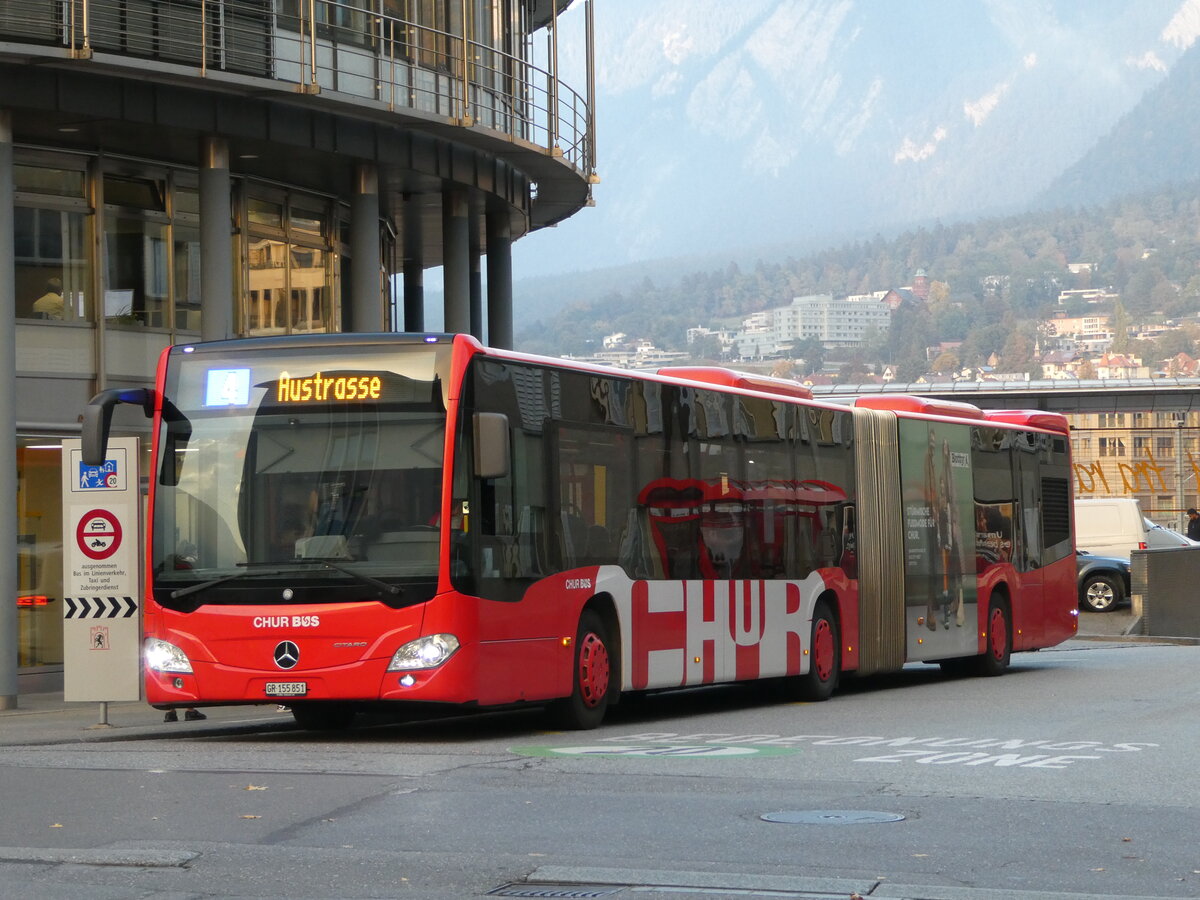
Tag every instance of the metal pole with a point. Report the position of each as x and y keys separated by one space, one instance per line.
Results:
x=455 y=264
x=1180 y=494
x=9 y=631
x=466 y=72
x=414 y=260
x=365 y=304
x=553 y=123
x=312 y=37
x=216 y=243
x=499 y=281
x=203 y=38
x=590 y=21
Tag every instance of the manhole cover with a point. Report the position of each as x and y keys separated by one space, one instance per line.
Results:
x=831 y=817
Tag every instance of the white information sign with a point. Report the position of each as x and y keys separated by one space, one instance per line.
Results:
x=102 y=623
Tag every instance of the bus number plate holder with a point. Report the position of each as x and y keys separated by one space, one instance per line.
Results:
x=286 y=688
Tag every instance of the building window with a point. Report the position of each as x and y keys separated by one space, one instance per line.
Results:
x=137 y=285
x=185 y=257
x=136 y=288
x=290 y=271
x=39 y=552
x=185 y=239
x=50 y=228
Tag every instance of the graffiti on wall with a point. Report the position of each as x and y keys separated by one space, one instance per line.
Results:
x=1147 y=475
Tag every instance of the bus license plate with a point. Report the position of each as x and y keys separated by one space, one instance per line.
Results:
x=287 y=688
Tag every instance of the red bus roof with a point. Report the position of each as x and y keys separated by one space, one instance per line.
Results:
x=1031 y=418
x=927 y=406
x=747 y=381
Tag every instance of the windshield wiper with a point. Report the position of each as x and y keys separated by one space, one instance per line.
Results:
x=205 y=585
x=394 y=589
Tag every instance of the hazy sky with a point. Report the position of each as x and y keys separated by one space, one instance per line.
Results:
x=733 y=124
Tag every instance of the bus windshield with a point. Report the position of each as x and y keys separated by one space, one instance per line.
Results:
x=323 y=468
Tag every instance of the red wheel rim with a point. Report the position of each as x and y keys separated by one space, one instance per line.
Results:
x=593 y=670
x=822 y=649
x=998 y=634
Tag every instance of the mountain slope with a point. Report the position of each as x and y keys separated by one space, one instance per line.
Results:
x=728 y=125
x=1152 y=145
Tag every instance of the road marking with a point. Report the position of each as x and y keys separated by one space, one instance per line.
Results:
x=1000 y=753
x=704 y=751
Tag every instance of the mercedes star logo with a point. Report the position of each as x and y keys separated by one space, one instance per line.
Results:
x=287 y=654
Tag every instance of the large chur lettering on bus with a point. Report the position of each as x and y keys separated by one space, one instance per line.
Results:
x=703 y=632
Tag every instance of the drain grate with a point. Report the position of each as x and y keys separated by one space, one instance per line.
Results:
x=831 y=817
x=555 y=890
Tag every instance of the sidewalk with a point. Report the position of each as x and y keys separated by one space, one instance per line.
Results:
x=46 y=718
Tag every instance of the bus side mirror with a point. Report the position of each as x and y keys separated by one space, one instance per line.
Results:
x=491 y=445
x=97 y=419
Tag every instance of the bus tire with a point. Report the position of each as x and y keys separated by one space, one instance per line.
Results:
x=323 y=716
x=824 y=658
x=997 y=640
x=591 y=678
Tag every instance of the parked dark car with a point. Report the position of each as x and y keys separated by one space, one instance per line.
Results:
x=1103 y=581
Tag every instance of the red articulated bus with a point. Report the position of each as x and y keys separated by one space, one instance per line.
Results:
x=348 y=522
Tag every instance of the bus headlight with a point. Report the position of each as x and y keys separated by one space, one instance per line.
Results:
x=163 y=657
x=424 y=653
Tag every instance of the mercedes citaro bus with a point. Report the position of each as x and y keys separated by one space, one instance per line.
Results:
x=354 y=522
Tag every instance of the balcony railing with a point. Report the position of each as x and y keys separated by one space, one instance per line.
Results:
x=324 y=45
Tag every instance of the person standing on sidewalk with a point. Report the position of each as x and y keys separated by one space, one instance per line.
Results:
x=1193 y=529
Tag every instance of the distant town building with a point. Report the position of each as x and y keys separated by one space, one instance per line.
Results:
x=843 y=322
x=1117 y=365
x=724 y=335
x=920 y=285
x=1078 y=332
x=633 y=354
x=1060 y=364
x=1088 y=295
x=1181 y=365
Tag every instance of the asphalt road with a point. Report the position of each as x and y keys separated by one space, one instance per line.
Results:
x=1069 y=776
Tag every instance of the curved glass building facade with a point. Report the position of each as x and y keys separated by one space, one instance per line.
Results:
x=180 y=170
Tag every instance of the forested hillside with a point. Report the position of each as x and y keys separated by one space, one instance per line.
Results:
x=993 y=281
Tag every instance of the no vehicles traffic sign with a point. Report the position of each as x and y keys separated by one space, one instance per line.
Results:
x=98 y=534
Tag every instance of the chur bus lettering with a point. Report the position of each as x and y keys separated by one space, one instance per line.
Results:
x=346 y=520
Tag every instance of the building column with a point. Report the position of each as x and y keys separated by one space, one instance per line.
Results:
x=8 y=423
x=217 y=303
x=499 y=284
x=475 y=256
x=365 y=308
x=414 y=265
x=456 y=267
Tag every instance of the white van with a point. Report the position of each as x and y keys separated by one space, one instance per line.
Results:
x=1110 y=526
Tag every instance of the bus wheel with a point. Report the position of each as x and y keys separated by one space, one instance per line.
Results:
x=323 y=716
x=591 y=678
x=824 y=658
x=997 y=647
